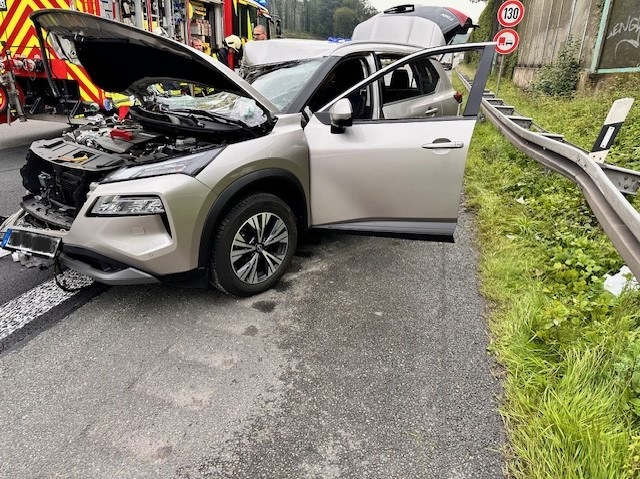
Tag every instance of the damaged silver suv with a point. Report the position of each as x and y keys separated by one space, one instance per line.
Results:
x=214 y=184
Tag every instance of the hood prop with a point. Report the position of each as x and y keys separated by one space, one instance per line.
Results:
x=46 y=61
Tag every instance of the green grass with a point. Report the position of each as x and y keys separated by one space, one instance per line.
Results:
x=570 y=350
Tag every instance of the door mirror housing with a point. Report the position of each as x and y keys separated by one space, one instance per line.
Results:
x=341 y=115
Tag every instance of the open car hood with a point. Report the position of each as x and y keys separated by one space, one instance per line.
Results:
x=116 y=56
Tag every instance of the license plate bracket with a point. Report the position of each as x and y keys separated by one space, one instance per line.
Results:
x=29 y=242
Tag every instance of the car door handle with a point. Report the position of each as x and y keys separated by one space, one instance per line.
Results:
x=443 y=144
x=431 y=111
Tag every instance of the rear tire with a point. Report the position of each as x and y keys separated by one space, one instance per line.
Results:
x=254 y=245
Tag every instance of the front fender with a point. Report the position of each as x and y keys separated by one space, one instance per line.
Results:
x=261 y=180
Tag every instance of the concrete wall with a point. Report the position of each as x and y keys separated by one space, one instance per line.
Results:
x=545 y=29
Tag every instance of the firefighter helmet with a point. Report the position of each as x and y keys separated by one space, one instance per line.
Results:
x=233 y=41
x=160 y=31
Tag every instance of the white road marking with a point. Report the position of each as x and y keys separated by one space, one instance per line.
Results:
x=20 y=311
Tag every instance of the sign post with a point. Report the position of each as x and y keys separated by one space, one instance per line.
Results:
x=510 y=14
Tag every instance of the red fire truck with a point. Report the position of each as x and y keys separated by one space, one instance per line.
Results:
x=25 y=91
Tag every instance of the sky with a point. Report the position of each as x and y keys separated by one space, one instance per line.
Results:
x=472 y=10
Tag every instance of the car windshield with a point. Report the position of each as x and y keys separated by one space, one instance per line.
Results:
x=280 y=83
x=178 y=97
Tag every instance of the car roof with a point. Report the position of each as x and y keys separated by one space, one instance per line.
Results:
x=282 y=50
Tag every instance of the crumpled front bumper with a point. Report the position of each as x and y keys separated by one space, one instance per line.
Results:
x=125 y=276
x=121 y=250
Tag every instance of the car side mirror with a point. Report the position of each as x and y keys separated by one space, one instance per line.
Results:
x=341 y=115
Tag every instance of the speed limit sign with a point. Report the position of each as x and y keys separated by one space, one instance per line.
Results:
x=510 y=13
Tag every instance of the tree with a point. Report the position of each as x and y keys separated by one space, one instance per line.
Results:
x=344 y=21
x=322 y=16
x=487 y=23
x=318 y=17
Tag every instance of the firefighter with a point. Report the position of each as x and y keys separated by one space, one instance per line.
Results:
x=233 y=43
x=259 y=32
x=197 y=44
x=121 y=103
x=161 y=32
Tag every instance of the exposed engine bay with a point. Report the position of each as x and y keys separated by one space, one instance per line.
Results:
x=59 y=172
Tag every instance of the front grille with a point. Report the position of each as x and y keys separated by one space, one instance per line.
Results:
x=96 y=261
x=58 y=185
x=73 y=188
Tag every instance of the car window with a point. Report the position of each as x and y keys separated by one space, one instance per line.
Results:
x=409 y=81
x=428 y=75
x=419 y=89
x=444 y=101
x=344 y=75
x=281 y=83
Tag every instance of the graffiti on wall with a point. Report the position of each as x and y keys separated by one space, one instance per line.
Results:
x=621 y=47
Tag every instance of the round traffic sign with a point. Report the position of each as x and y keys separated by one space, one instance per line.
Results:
x=507 y=41
x=510 y=13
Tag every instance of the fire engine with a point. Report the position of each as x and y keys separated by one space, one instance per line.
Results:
x=26 y=92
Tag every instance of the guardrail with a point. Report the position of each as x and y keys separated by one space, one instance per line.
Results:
x=602 y=185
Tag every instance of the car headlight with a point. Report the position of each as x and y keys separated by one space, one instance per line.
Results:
x=127 y=206
x=187 y=165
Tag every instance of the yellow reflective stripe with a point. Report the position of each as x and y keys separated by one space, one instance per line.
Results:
x=88 y=91
x=119 y=99
x=21 y=36
x=23 y=39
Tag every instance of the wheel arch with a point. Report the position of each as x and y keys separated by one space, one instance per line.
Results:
x=281 y=183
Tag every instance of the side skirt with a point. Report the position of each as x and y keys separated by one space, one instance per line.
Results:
x=421 y=230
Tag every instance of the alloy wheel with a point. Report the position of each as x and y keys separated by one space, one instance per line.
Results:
x=259 y=247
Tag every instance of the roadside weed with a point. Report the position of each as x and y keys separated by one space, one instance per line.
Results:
x=570 y=350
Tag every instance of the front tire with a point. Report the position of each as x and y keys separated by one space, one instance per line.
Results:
x=254 y=245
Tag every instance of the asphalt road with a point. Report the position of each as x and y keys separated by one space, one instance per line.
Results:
x=368 y=360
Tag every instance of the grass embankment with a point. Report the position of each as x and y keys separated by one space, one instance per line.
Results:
x=570 y=350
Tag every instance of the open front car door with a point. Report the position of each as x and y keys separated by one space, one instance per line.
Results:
x=387 y=156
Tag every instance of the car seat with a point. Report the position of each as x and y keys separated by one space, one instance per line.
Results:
x=399 y=80
x=344 y=77
x=399 y=87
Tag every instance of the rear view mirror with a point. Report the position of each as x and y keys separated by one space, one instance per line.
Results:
x=341 y=115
